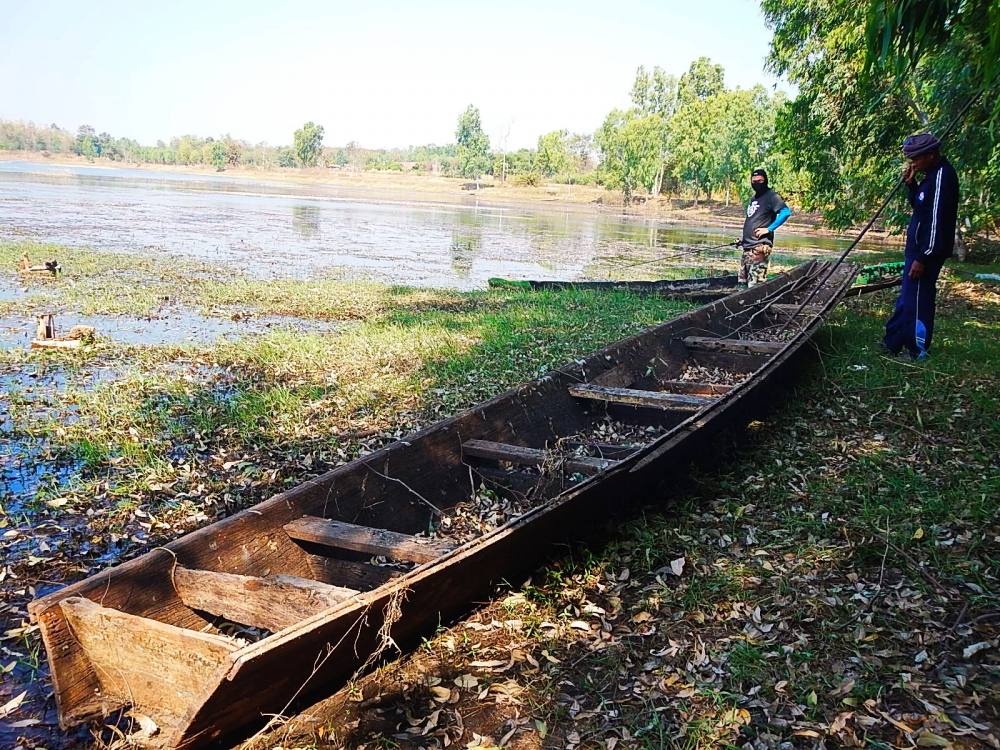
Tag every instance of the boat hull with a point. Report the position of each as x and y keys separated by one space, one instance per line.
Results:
x=315 y=656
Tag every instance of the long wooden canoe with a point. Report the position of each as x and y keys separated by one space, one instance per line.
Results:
x=328 y=572
x=699 y=289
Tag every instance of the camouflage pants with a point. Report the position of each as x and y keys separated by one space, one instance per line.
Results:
x=753 y=265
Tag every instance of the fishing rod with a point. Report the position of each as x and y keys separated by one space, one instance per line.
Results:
x=874 y=218
x=685 y=251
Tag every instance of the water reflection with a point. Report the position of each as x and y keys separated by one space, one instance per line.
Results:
x=305 y=221
x=466 y=242
x=246 y=223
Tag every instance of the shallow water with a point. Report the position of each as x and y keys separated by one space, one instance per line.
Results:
x=272 y=229
x=177 y=326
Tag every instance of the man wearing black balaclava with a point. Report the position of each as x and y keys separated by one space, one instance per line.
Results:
x=930 y=241
x=766 y=211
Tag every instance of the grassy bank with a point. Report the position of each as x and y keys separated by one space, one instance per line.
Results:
x=113 y=449
x=821 y=579
x=829 y=580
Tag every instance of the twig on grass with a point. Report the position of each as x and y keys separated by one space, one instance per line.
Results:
x=926 y=574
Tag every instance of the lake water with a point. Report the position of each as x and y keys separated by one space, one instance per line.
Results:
x=271 y=229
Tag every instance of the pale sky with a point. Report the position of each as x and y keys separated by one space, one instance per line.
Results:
x=381 y=73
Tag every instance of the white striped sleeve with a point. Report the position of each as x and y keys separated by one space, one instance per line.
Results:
x=934 y=212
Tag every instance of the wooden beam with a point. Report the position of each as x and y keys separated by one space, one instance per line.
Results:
x=788 y=309
x=519 y=454
x=143 y=662
x=699 y=389
x=614 y=451
x=651 y=399
x=340 y=535
x=273 y=603
x=733 y=346
x=362 y=576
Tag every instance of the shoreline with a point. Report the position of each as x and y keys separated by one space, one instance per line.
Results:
x=433 y=189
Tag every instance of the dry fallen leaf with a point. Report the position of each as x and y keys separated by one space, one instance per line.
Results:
x=677 y=566
x=147 y=727
x=441 y=693
x=466 y=681
x=927 y=738
x=10 y=706
x=969 y=651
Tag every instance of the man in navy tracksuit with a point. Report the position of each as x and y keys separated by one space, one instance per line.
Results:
x=930 y=240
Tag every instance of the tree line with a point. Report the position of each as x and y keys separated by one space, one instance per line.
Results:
x=307 y=149
x=689 y=135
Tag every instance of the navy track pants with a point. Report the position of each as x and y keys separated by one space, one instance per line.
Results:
x=912 y=322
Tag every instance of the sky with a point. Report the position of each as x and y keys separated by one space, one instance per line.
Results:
x=383 y=74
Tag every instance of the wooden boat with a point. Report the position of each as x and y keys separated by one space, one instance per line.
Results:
x=700 y=289
x=876 y=286
x=877 y=276
x=335 y=570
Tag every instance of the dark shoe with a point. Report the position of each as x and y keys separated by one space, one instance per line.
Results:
x=885 y=350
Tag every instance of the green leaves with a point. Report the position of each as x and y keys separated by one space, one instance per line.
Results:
x=473 y=144
x=309 y=143
x=869 y=75
x=631 y=150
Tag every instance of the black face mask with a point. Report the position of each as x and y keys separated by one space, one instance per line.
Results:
x=758 y=187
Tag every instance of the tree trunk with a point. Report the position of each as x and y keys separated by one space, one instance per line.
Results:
x=658 y=182
x=961 y=249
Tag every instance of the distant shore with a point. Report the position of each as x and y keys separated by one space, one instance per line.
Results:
x=426 y=187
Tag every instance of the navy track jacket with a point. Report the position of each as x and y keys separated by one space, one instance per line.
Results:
x=931 y=234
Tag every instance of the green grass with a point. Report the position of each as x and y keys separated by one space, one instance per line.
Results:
x=872 y=475
x=859 y=518
x=272 y=409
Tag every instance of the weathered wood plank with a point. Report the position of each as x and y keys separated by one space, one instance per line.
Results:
x=613 y=451
x=519 y=454
x=273 y=603
x=741 y=346
x=788 y=309
x=147 y=663
x=698 y=389
x=340 y=535
x=633 y=397
x=350 y=573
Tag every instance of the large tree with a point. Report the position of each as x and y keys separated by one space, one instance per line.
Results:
x=553 y=153
x=473 y=144
x=656 y=93
x=702 y=80
x=631 y=150
x=854 y=108
x=309 y=143
x=88 y=143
